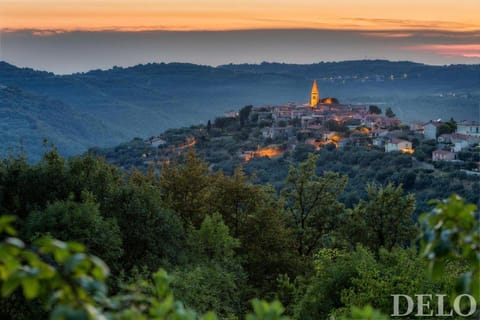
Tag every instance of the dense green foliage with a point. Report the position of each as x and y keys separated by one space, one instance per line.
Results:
x=312 y=201
x=452 y=232
x=362 y=165
x=80 y=222
x=224 y=240
x=385 y=221
x=73 y=283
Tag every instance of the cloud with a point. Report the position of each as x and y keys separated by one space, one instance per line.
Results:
x=388 y=34
x=64 y=51
x=402 y=24
x=460 y=50
x=46 y=33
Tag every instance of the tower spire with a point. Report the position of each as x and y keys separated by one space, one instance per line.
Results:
x=315 y=95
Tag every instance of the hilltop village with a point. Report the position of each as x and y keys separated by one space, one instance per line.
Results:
x=322 y=123
x=327 y=123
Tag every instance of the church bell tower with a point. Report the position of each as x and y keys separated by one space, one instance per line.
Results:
x=315 y=95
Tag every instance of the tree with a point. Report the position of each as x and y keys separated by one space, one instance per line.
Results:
x=54 y=270
x=450 y=232
x=80 y=222
x=374 y=109
x=234 y=197
x=386 y=220
x=450 y=244
x=243 y=115
x=96 y=176
x=152 y=235
x=389 y=113
x=74 y=284
x=447 y=127
x=213 y=280
x=365 y=313
x=268 y=247
x=346 y=279
x=333 y=125
x=28 y=187
x=256 y=217
x=312 y=203
x=209 y=126
x=213 y=242
x=224 y=122
x=185 y=187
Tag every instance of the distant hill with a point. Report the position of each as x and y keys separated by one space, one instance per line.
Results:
x=26 y=120
x=145 y=100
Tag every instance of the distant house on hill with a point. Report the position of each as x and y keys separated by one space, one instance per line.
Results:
x=375 y=120
x=416 y=126
x=471 y=128
x=230 y=114
x=430 y=130
x=275 y=132
x=462 y=141
x=399 y=145
x=445 y=138
x=443 y=155
x=156 y=142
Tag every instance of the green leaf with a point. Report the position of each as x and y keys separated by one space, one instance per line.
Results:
x=5 y=225
x=75 y=247
x=9 y=286
x=63 y=312
x=210 y=316
x=15 y=242
x=31 y=287
x=101 y=270
x=74 y=261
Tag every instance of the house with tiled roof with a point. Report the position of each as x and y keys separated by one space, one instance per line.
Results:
x=443 y=155
x=399 y=145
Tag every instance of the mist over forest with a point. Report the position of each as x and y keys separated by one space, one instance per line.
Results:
x=103 y=108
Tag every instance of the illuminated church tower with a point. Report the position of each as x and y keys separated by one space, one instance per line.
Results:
x=314 y=96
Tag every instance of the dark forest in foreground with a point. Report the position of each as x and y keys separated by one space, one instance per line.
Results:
x=224 y=241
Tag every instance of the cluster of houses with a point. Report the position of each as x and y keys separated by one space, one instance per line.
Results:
x=314 y=120
x=315 y=125
x=364 y=128
x=466 y=135
x=324 y=122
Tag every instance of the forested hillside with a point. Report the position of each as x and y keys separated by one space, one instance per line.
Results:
x=224 y=144
x=145 y=100
x=27 y=120
x=223 y=240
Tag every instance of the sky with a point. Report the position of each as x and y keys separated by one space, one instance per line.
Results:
x=66 y=36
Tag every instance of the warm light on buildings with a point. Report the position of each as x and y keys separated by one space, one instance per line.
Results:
x=314 y=95
x=327 y=101
x=190 y=142
x=268 y=152
x=408 y=150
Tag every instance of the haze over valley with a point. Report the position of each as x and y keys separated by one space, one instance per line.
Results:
x=103 y=108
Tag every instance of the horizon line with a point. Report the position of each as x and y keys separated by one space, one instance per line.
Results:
x=244 y=63
x=133 y=29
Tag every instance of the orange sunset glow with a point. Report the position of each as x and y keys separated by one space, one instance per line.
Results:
x=187 y=15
